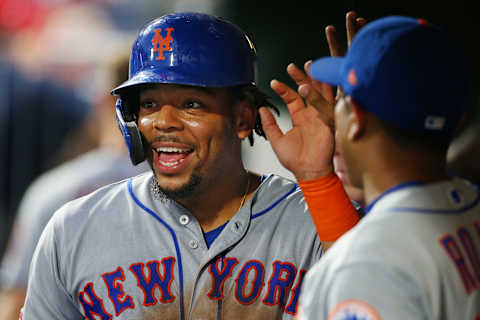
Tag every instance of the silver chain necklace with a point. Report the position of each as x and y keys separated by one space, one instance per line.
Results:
x=157 y=192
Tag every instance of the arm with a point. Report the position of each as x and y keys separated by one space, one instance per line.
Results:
x=11 y=301
x=307 y=149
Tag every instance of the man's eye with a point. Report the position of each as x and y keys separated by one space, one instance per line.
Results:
x=193 y=105
x=147 y=104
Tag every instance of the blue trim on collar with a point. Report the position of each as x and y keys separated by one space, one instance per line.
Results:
x=422 y=210
x=392 y=189
x=212 y=235
x=438 y=211
x=175 y=241
x=258 y=214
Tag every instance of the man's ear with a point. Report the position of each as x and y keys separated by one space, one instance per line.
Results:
x=358 y=121
x=245 y=115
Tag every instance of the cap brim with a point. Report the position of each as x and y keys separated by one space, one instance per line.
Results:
x=327 y=70
x=181 y=77
x=140 y=78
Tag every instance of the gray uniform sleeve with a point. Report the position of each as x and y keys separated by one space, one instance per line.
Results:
x=47 y=297
x=361 y=291
x=34 y=213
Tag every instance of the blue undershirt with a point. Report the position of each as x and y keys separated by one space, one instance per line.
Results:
x=210 y=236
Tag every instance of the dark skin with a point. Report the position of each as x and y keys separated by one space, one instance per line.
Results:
x=307 y=149
x=383 y=163
x=211 y=139
x=195 y=134
x=375 y=162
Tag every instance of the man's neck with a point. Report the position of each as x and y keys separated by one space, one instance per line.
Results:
x=396 y=169
x=222 y=201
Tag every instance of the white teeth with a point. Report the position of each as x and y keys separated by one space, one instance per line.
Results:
x=171 y=164
x=171 y=149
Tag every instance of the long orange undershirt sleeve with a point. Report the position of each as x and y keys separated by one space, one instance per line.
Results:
x=332 y=212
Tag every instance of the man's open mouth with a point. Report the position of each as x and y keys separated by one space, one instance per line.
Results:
x=171 y=156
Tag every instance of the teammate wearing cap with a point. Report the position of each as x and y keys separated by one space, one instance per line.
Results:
x=416 y=253
x=199 y=236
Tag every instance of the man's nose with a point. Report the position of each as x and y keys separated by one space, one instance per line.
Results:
x=167 y=118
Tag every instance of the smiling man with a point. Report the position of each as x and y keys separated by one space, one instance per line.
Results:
x=199 y=236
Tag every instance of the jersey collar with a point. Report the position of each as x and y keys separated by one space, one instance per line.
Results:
x=397 y=187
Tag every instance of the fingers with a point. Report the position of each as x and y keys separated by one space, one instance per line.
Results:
x=291 y=98
x=361 y=22
x=334 y=44
x=353 y=24
x=321 y=91
x=350 y=21
x=297 y=75
x=269 y=124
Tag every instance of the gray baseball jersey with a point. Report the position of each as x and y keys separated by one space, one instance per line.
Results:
x=119 y=253
x=414 y=256
x=54 y=188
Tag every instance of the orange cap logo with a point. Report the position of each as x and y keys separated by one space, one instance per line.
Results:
x=160 y=43
x=352 y=78
x=422 y=21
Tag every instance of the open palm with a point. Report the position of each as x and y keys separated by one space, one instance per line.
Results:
x=307 y=148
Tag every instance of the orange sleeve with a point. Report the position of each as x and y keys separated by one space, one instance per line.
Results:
x=332 y=212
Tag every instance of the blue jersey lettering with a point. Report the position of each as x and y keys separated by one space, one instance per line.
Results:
x=155 y=280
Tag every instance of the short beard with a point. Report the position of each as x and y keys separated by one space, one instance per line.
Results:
x=185 y=191
x=161 y=193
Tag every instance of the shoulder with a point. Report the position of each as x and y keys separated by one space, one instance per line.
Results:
x=69 y=181
x=361 y=262
x=449 y=195
x=279 y=203
x=273 y=185
x=277 y=193
x=371 y=241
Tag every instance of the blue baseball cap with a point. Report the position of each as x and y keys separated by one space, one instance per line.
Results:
x=409 y=73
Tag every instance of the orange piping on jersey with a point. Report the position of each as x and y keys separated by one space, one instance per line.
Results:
x=330 y=208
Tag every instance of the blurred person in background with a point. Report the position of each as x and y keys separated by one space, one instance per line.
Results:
x=463 y=157
x=103 y=165
x=36 y=114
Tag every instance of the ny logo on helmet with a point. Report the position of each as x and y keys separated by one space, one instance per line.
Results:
x=160 y=43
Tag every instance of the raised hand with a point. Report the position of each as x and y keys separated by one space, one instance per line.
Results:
x=353 y=25
x=307 y=149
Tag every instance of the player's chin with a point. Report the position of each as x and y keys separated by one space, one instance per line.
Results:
x=175 y=189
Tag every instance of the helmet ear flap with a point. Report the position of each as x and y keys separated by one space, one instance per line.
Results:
x=130 y=133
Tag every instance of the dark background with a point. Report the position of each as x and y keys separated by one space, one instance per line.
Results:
x=293 y=31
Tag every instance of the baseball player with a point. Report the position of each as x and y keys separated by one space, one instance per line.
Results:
x=416 y=254
x=199 y=237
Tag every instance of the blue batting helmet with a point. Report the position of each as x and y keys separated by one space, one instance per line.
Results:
x=191 y=49
x=185 y=48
